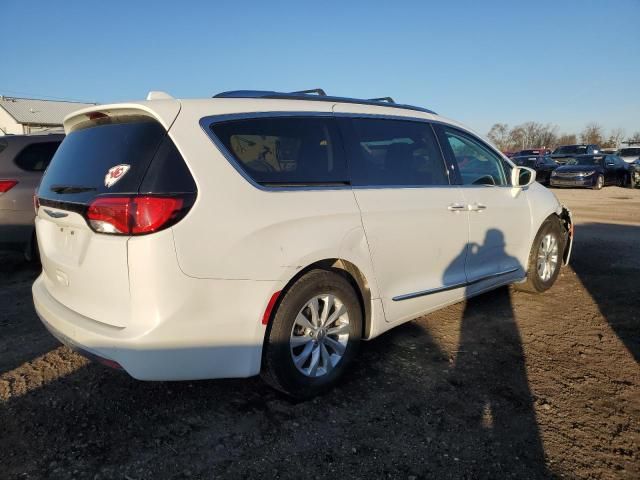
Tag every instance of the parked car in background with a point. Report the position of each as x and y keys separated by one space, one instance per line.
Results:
x=23 y=159
x=532 y=151
x=634 y=173
x=629 y=154
x=564 y=152
x=608 y=150
x=542 y=164
x=591 y=171
x=265 y=232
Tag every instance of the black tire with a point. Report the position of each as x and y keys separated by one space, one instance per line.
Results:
x=32 y=252
x=599 y=182
x=534 y=282
x=278 y=368
x=632 y=182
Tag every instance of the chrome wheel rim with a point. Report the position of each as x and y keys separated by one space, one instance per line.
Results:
x=547 y=257
x=600 y=182
x=319 y=335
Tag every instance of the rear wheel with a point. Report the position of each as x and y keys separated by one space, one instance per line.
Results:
x=314 y=335
x=545 y=258
x=599 y=183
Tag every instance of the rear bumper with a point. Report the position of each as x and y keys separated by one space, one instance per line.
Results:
x=219 y=335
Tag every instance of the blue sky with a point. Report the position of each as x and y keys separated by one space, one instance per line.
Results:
x=564 y=62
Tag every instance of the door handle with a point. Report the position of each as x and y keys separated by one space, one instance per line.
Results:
x=457 y=207
x=477 y=207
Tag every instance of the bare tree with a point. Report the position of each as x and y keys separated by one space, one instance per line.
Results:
x=499 y=135
x=517 y=138
x=635 y=138
x=617 y=135
x=566 y=139
x=592 y=133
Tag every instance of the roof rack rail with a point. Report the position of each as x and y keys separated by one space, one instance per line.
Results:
x=383 y=99
x=317 y=91
x=320 y=96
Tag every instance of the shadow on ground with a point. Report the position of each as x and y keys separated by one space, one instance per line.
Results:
x=608 y=266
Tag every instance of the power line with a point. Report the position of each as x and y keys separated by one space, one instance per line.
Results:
x=43 y=97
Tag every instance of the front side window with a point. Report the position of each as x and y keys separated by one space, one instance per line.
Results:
x=395 y=152
x=37 y=156
x=285 y=151
x=477 y=163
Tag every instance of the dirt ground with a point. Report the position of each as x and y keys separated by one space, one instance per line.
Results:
x=507 y=385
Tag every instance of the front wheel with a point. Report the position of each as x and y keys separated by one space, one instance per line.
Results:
x=545 y=258
x=599 y=183
x=314 y=335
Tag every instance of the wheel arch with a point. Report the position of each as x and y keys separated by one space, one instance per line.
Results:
x=351 y=272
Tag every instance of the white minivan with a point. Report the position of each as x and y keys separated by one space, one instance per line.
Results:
x=265 y=232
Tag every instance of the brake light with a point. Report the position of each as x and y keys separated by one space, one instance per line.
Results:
x=134 y=215
x=6 y=185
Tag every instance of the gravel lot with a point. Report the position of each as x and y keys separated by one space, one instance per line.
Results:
x=505 y=385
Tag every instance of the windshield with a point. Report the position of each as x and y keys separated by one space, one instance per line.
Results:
x=629 y=152
x=571 y=149
x=592 y=161
x=524 y=162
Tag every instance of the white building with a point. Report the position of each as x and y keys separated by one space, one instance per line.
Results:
x=27 y=115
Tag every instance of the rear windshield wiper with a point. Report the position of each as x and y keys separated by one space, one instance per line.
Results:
x=70 y=189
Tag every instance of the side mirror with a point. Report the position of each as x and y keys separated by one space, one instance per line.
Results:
x=522 y=176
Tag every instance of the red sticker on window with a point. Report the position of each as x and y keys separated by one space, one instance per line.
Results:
x=115 y=173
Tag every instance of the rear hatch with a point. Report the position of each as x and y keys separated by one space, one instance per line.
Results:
x=110 y=171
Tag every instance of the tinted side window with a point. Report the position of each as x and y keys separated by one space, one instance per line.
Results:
x=477 y=163
x=395 y=152
x=37 y=156
x=285 y=151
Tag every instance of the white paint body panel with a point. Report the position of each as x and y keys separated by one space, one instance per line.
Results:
x=187 y=302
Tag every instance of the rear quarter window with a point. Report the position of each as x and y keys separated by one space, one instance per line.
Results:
x=37 y=156
x=285 y=151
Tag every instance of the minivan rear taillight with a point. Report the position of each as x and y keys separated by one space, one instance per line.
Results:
x=136 y=214
x=6 y=185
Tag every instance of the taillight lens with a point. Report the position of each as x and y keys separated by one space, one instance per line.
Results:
x=6 y=185
x=135 y=215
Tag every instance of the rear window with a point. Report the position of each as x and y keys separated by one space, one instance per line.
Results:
x=37 y=156
x=625 y=152
x=285 y=151
x=79 y=169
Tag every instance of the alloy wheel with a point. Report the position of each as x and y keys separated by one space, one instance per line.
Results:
x=547 y=257
x=319 y=335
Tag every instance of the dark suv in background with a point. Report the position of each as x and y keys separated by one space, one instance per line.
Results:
x=543 y=164
x=23 y=159
x=564 y=152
